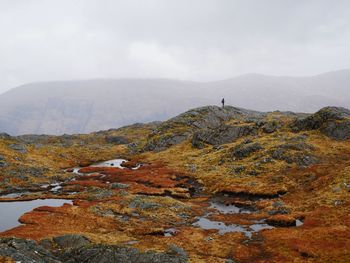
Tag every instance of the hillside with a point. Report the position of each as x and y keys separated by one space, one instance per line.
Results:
x=92 y=105
x=209 y=185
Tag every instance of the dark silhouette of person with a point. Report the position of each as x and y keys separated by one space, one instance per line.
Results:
x=223 y=102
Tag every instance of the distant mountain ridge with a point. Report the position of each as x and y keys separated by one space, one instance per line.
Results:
x=90 y=105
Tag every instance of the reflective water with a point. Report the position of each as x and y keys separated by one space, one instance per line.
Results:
x=223 y=228
x=11 y=211
x=229 y=208
x=110 y=163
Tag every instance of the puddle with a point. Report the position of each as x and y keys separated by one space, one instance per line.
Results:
x=260 y=226
x=221 y=207
x=299 y=223
x=111 y=163
x=207 y=224
x=11 y=211
x=170 y=232
x=229 y=208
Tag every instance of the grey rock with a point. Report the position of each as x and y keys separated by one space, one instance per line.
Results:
x=116 y=140
x=76 y=248
x=118 y=254
x=142 y=203
x=22 y=250
x=162 y=142
x=315 y=121
x=271 y=126
x=99 y=193
x=222 y=135
x=238 y=169
x=177 y=250
x=337 y=130
x=244 y=150
x=298 y=152
x=4 y=136
x=278 y=204
x=332 y=121
x=71 y=241
x=18 y=147
x=119 y=186
x=2 y=161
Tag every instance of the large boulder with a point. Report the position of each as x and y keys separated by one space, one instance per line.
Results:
x=337 y=130
x=222 y=135
x=204 y=123
x=244 y=150
x=22 y=250
x=119 y=254
x=162 y=142
x=116 y=140
x=299 y=153
x=334 y=122
x=320 y=118
x=212 y=117
x=76 y=248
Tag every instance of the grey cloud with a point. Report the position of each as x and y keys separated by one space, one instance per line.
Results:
x=187 y=39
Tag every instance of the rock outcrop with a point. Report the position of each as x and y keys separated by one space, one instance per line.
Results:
x=334 y=122
x=76 y=249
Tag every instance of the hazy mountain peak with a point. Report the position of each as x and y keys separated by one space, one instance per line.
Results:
x=80 y=106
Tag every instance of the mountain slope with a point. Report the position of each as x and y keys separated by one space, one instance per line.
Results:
x=90 y=105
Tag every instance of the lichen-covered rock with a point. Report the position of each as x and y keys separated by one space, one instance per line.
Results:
x=118 y=254
x=271 y=126
x=244 y=150
x=222 y=135
x=22 y=250
x=317 y=120
x=337 y=130
x=116 y=140
x=334 y=122
x=71 y=241
x=162 y=142
x=76 y=248
x=18 y=148
x=295 y=151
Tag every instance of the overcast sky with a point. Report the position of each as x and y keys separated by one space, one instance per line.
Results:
x=187 y=39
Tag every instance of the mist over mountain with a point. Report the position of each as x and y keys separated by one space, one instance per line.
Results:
x=91 y=105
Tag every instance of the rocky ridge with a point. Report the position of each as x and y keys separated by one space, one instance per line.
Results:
x=268 y=187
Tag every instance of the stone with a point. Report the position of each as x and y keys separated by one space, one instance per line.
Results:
x=244 y=150
x=71 y=241
x=142 y=203
x=160 y=143
x=18 y=148
x=114 y=254
x=119 y=186
x=222 y=135
x=337 y=130
x=22 y=250
x=116 y=140
x=271 y=127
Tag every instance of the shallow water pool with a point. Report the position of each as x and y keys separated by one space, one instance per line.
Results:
x=10 y=212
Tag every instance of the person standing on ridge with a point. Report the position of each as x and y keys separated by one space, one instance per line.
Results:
x=223 y=102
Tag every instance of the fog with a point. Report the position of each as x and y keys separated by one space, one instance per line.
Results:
x=199 y=40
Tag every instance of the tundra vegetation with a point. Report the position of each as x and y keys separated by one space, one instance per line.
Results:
x=210 y=185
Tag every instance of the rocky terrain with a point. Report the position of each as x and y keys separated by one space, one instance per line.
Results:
x=210 y=185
